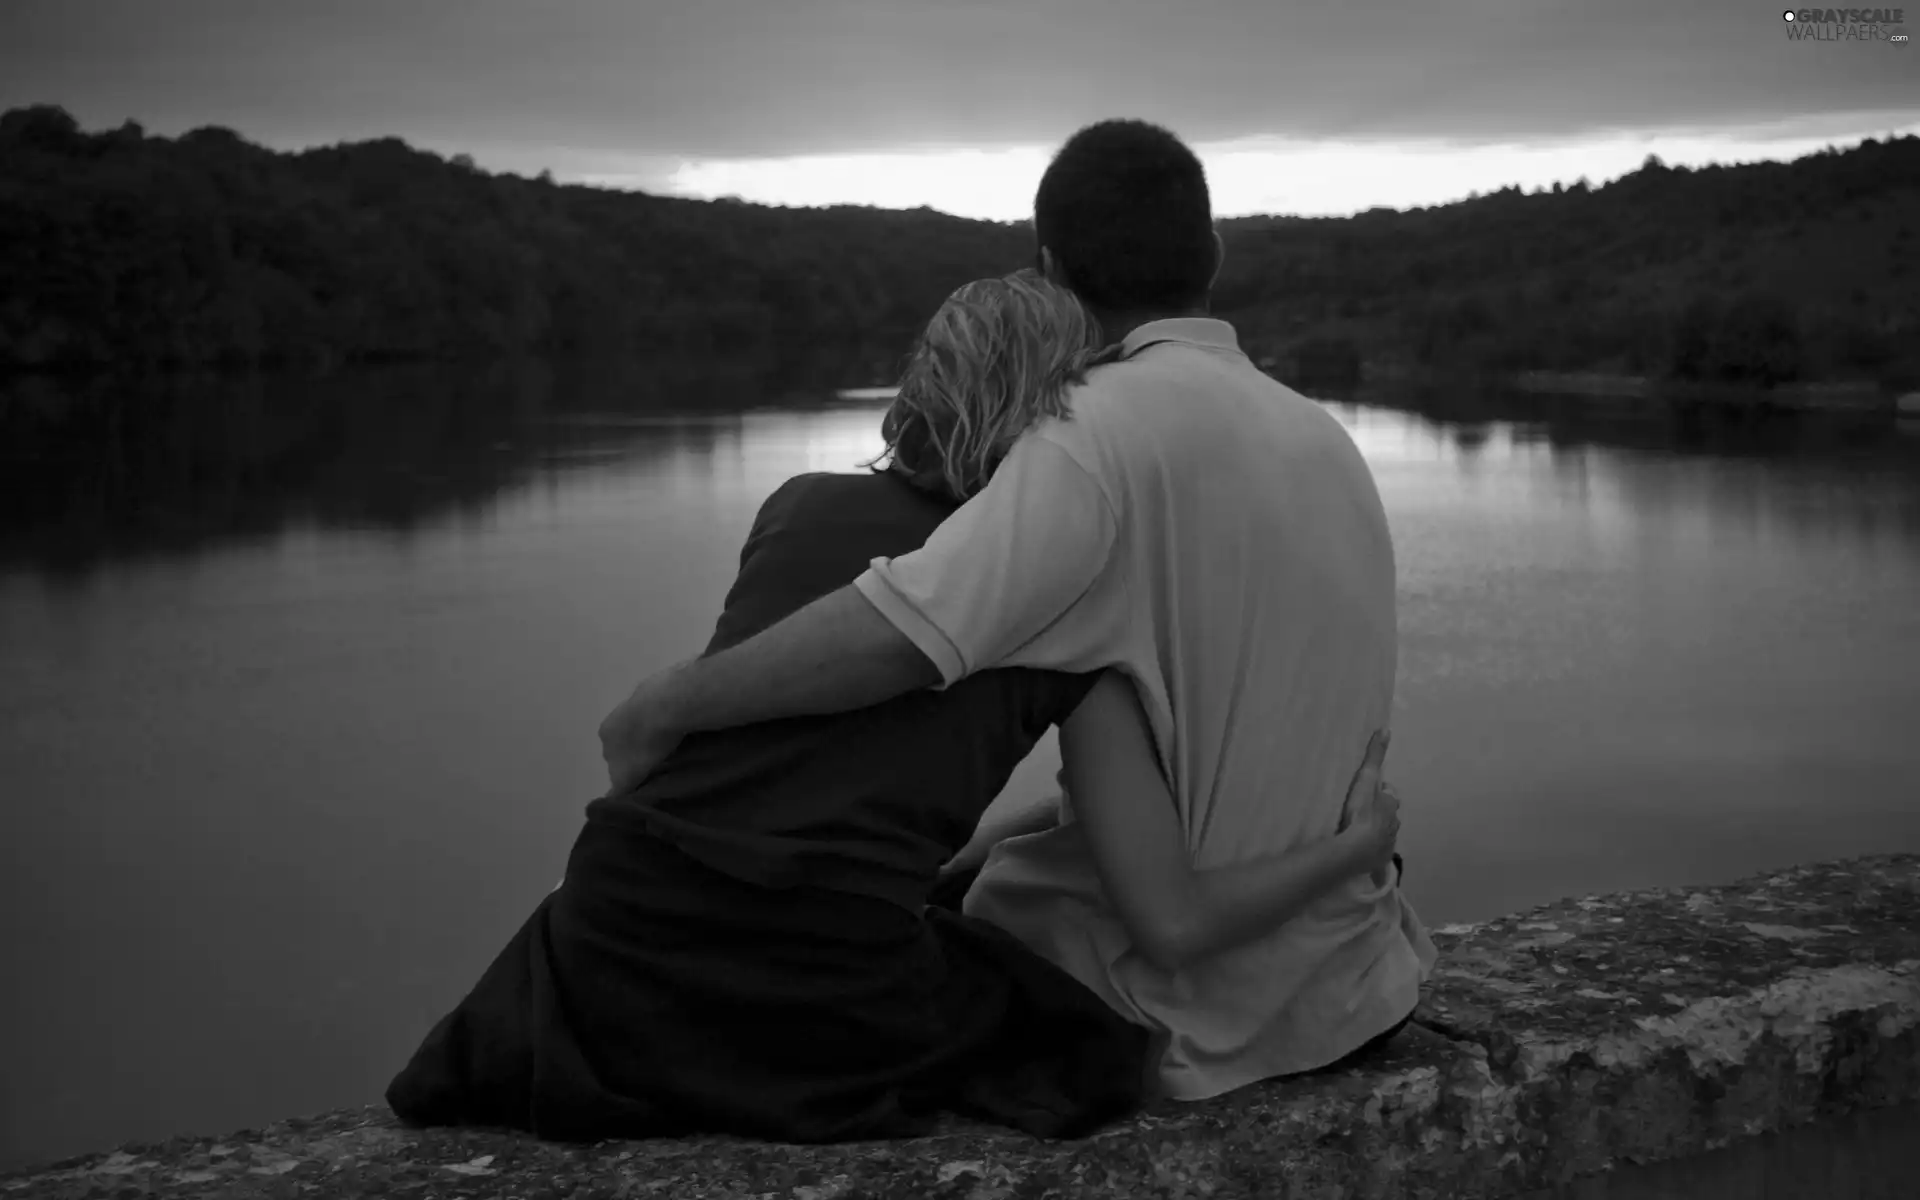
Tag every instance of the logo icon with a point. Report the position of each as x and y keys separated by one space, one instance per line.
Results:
x=1846 y=25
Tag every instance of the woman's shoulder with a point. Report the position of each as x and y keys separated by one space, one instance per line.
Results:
x=815 y=533
x=823 y=485
x=835 y=491
x=852 y=483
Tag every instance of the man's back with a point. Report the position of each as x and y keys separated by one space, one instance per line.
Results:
x=1248 y=587
x=1261 y=584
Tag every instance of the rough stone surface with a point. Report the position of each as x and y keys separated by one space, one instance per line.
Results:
x=1554 y=1043
x=1648 y=1025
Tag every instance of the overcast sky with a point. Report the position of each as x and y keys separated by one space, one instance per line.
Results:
x=656 y=92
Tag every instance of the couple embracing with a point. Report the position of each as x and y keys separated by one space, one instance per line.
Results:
x=1095 y=513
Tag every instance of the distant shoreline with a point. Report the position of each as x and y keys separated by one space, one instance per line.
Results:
x=1842 y=395
x=1857 y=396
x=1845 y=396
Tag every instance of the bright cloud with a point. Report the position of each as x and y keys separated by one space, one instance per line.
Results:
x=1260 y=175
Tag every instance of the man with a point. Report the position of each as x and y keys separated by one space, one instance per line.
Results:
x=1211 y=533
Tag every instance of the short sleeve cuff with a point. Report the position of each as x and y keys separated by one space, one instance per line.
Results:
x=902 y=615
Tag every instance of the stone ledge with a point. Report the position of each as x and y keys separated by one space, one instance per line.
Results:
x=1555 y=1043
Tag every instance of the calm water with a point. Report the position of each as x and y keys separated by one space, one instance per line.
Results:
x=299 y=684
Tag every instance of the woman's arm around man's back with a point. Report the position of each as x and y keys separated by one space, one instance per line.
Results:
x=1175 y=913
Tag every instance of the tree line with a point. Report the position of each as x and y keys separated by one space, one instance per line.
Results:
x=1753 y=274
x=120 y=250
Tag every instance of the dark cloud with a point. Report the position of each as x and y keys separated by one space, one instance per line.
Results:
x=731 y=78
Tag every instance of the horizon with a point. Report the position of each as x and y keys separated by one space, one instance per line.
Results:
x=1622 y=157
x=1345 y=179
x=911 y=103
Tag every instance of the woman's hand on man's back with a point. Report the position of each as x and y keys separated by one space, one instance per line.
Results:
x=1370 y=820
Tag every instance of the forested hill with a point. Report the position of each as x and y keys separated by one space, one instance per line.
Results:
x=1769 y=271
x=119 y=249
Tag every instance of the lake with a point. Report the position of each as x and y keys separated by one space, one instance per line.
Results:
x=300 y=679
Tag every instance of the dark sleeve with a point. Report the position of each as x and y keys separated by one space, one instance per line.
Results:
x=1053 y=695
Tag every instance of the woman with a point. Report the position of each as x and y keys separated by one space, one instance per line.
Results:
x=742 y=943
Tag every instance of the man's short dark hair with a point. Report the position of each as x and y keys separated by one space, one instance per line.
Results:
x=1124 y=209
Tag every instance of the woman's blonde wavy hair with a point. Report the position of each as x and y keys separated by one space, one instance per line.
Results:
x=998 y=357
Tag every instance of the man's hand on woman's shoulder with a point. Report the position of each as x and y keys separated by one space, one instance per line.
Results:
x=639 y=734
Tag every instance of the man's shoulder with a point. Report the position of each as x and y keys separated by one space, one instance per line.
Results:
x=1166 y=396
x=1150 y=376
x=1104 y=396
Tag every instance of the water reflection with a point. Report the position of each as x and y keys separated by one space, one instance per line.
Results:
x=118 y=469
x=1850 y=477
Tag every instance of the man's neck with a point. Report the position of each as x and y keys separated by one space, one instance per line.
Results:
x=1116 y=326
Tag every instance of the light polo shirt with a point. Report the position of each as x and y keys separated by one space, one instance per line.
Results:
x=1217 y=537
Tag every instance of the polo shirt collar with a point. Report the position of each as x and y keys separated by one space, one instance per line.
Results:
x=1199 y=331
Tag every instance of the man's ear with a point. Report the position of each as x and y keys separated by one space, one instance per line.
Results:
x=1050 y=267
x=1219 y=258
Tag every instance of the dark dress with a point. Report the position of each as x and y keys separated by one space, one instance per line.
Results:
x=741 y=944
